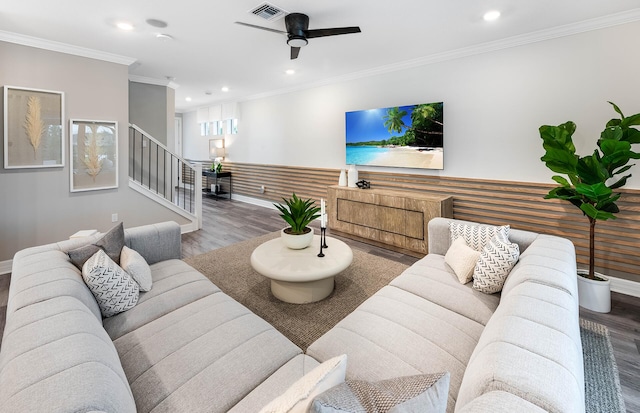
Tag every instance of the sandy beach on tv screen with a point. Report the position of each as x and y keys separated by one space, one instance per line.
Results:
x=411 y=158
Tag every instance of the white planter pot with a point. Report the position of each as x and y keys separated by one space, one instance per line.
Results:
x=297 y=242
x=594 y=295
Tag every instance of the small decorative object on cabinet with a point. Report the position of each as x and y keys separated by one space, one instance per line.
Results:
x=353 y=176
x=298 y=213
x=342 y=181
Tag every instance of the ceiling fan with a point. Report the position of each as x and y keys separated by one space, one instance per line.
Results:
x=297 y=25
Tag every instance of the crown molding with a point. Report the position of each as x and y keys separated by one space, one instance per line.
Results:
x=488 y=47
x=154 y=81
x=64 y=48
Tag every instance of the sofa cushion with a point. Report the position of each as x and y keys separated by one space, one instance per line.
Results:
x=114 y=289
x=56 y=357
x=204 y=356
x=45 y=272
x=175 y=284
x=298 y=397
x=500 y=402
x=111 y=242
x=535 y=355
x=397 y=333
x=421 y=393
x=477 y=236
x=462 y=259
x=136 y=266
x=494 y=265
x=432 y=279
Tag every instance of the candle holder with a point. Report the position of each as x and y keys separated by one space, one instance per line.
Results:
x=323 y=241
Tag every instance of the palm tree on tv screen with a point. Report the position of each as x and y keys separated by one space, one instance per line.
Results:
x=426 y=127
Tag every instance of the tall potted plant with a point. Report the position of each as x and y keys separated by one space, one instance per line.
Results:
x=298 y=213
x=590 y=186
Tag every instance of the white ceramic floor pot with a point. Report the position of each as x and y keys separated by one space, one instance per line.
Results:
x=297 y=242
x=594 y=295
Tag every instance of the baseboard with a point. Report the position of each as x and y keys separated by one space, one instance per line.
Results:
x=5 y=266
x=190 y=227
x=253 y=201
x=622 y=286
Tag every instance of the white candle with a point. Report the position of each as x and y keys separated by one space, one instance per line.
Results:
x=326 y=221
x=321 y=206
x=323 y=221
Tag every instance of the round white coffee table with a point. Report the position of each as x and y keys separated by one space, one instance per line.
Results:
x=300 y=276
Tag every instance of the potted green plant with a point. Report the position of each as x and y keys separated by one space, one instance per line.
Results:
x=590 y=186
x=298 y=213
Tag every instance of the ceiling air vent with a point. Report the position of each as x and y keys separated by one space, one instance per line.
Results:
x=268 y=11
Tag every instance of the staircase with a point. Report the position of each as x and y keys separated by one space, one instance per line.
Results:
x=161 y=175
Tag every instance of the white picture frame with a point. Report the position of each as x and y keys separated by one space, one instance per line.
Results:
x=34 y=128
x=93 y=154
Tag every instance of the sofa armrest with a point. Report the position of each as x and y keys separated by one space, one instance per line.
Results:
x=156 y=242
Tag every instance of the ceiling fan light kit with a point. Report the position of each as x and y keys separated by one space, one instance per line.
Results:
x=297 y=26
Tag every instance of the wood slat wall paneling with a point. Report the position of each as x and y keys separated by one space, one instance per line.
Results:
x=519 y=204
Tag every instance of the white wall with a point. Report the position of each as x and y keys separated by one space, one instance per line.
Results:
x=36 y=206
x=494 y=104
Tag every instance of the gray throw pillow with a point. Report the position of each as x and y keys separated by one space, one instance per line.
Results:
x=111 y=243
x=136 y=266
x=421 y=393
x=114 y=290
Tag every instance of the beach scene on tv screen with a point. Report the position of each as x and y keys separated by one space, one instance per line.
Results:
x=402 y=136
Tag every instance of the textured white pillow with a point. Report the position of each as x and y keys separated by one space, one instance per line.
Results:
x=494 y=265
x=421 y=393
x=462 y=260
x=299 y=396
x=114 y=290
x=475 y=235
x=136 y=266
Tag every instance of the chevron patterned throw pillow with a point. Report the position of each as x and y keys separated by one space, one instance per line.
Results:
x=477 y=236
x=114 y=290
x=494 y=265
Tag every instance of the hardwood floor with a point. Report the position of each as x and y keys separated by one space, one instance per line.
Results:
x=227 y=222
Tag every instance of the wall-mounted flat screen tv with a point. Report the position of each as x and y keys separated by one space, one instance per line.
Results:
x=401 y=136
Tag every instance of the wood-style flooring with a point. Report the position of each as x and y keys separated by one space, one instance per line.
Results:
x=227 y=222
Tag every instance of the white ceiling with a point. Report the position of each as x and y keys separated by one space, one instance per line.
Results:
x=209 y=51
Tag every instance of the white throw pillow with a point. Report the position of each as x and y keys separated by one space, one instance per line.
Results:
x=462 y=260
x=136 y=266
x=494 y=265
x=299 y=396
x=114 y=290
x=476 y=235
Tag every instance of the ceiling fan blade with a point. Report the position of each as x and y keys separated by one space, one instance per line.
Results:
x=331 y=32
x=261 y=28
x=294 y=52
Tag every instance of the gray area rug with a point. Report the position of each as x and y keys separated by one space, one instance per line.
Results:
x=230 y=269
x=602 y=383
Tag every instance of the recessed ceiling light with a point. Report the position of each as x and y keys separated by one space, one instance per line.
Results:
x=124 y=26
x=225 y=89
x=163 y=37
x=157 y=23
x=491 y=15
x=188 y=99
x=290 y=72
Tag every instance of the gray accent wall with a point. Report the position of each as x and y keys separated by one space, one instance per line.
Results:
x=36 y=206
x=152 y=108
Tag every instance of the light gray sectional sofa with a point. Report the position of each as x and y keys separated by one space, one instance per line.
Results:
x=515 y=352
x=185 y=347
x=188 y=347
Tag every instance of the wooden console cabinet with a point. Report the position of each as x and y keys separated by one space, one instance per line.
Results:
x=392 y=219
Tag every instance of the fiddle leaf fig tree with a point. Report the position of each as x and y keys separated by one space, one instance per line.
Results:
x=592 y=179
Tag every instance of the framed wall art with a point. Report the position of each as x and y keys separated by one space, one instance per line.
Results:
x=94 y=154
x=33 y=128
